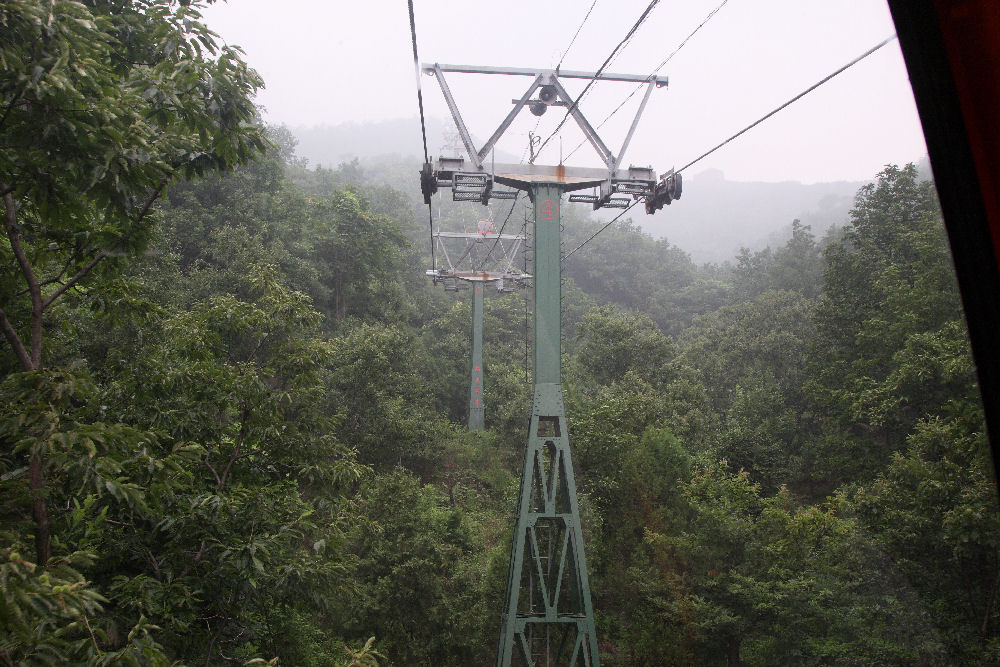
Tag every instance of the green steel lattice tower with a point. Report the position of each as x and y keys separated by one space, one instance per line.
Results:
x=548 y=618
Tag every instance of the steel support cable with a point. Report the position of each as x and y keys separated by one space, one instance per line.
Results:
x=794 y=99
x=642 y=18
x=594 y=235
x=457 y=262
x=575 y=35
x=653 y=73
x=621 y=50
x=524 y=153
x=607 y=61
x=744 y=130
x=423 y=124
x=497 y=239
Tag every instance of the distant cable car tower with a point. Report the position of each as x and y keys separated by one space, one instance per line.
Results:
x=548 y=617
x=479 y=264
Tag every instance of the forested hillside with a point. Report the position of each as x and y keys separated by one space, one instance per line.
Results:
x=717 y=218
x=231 y=405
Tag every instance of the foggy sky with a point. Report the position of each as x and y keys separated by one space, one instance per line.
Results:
x=329 y=62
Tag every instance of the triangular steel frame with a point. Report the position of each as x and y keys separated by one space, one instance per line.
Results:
x=542 y=78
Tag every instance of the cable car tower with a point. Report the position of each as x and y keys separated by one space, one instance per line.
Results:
x=548 y=618
x=474 y=266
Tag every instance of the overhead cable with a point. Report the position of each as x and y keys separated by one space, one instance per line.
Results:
x=597 y=75
x=794 y=99
x=423 y=124
x=558 y=65
x=587 y=16
x=744 y=130
x=653 y=73
x=416 y=69
x=594 y=235
x=497 y=239
x=686 y=39
x=531 y=136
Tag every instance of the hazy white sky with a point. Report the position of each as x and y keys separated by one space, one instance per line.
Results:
x=330 y=62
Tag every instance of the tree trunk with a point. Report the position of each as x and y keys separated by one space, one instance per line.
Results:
x=36 y=480
x=984 y=631
x=39 y=510
x=34 y=289
x=734 y=653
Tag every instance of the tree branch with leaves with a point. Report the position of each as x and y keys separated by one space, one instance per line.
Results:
x=103 y=106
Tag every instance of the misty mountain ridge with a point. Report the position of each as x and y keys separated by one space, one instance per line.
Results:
x=712 y=221
x=716 y=217
x=330 y=145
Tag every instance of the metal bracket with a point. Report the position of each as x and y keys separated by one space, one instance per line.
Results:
x=501 y=271
x=666 y=190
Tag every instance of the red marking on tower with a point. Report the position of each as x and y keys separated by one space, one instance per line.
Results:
x=548 y=209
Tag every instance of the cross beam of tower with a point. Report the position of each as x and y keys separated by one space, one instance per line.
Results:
x=548 y=617
x=551 y=93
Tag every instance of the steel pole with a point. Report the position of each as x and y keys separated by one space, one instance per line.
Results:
x=477 y=408
x=548 y=290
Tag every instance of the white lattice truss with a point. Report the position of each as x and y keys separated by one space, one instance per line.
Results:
x=479 y=257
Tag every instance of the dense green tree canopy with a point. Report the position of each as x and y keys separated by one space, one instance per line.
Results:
x=231 y=404
x=103 y=106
